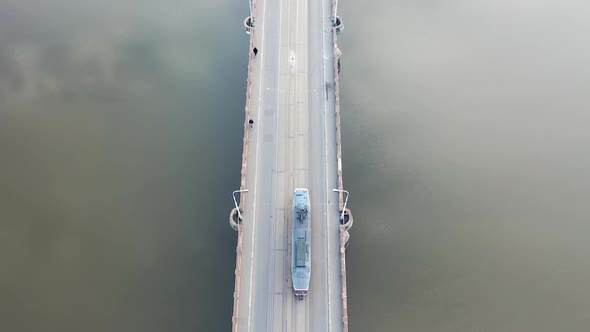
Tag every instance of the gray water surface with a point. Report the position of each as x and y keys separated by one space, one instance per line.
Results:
x=120 y=144
x=465 y=152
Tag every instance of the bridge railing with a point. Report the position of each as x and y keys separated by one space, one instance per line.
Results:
x=343 y=237
x=246 y=142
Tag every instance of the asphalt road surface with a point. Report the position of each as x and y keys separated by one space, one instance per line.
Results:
x=292 y=145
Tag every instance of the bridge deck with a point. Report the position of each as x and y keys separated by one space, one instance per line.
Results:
x=293 y=144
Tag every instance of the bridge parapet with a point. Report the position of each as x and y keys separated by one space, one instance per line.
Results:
x=344 y=235
x=249 y=25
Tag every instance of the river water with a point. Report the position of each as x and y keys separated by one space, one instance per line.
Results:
x=465 y=152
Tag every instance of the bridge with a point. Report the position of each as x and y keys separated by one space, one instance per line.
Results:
x=291 y=140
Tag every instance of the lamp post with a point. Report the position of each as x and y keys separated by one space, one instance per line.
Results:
x=335 y=11
x=236 y=202
x=345 y=201
x=251 y=14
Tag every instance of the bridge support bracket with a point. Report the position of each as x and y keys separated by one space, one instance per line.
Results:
x=348 y=220
x=346 y=238
x=337 y=25
x=234 y=219
x=249 y=24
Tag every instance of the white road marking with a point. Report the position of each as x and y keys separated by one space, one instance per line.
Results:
x=326 y=173
x=276 y=168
